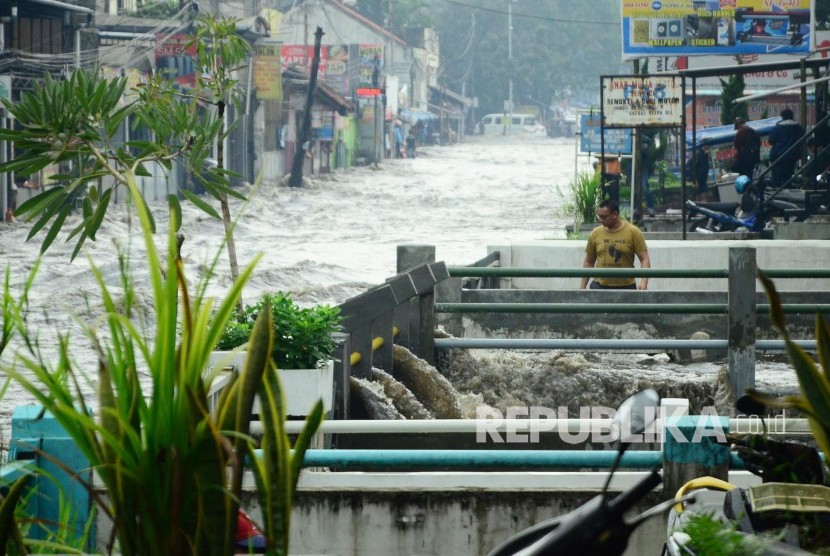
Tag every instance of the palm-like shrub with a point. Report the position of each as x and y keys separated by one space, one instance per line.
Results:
x=582 y=197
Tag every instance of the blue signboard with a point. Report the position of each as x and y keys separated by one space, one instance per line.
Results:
x=617 y=141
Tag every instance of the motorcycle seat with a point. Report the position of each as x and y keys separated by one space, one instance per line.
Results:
x=796 y=196
x=720 y=206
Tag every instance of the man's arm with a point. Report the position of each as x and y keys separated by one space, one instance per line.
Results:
x=645 y=262
x=589 y=262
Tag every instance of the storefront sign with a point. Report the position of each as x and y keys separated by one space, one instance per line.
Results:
x=617 y=141
x=633 y=101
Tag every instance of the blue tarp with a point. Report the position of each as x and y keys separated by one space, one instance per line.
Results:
x=415 y=116
x=725 y=134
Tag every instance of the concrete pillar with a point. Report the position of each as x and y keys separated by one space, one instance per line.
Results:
x=342 y=372
x=741 y=320
x=422 y=323
x=449 y=291
x=410 y=256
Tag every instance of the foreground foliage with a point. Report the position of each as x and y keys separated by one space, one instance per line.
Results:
x=303 y=334
x=163 y=458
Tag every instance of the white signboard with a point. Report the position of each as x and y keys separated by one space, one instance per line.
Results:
x=642 y=100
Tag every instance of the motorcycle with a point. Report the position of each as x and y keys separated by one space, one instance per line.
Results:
x=759 y=205
x=598 y=527
x=753 y=213
x=766 y=508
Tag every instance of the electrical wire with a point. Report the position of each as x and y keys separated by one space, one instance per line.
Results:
x=532 y=16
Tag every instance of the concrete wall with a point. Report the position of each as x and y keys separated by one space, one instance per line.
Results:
x=670 y=254
x=440 y=513
x=400 y=519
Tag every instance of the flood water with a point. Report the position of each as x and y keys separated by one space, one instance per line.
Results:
x=337 y=236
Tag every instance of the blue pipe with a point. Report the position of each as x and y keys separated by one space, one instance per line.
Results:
x=479 y=458
x=390 y=459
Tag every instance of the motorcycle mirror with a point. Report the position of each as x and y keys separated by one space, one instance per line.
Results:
x=633 y=416
x=750 y=406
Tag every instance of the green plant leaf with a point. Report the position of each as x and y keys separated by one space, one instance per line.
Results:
x=11 y=540
x=199 y=202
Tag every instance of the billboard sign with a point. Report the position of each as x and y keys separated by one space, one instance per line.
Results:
x=617 y=140
x=697 y=27
x=636 y=100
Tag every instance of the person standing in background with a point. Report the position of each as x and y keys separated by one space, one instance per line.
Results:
x=411 y=143
x=747 y=149
x=784 y=154
x=699 y=170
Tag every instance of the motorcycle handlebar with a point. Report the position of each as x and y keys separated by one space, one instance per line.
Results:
x=627 y=499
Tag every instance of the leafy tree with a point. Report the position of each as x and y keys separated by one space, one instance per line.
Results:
x=556 y=47
x=732 y=88
x=75 y=123
x=219 y=51
x=822 y=14
x=397 y=15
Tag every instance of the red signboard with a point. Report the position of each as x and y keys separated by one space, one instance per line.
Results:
x=369 y=92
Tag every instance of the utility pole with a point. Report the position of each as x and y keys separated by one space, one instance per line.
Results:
x=304 y=136
x=510 y=64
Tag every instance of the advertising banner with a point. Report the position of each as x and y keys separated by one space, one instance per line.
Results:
x=174 y=59
x=370 y=65
x=617 y=141
x=697 y=27
x=267 y=73
x=333 y=67
x=635 y=100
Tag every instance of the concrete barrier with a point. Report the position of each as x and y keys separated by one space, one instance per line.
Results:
x=669 y=254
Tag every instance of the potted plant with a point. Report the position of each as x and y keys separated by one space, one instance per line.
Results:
x=302 y=349
x=584 y=194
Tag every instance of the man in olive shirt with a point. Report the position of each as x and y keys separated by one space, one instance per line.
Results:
x=614 y=244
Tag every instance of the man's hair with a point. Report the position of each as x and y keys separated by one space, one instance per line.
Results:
x=787 y=114
x=610 y=204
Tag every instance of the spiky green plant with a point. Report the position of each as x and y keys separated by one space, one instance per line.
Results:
x=813 y=378
x=160 y=454
x=582 y=196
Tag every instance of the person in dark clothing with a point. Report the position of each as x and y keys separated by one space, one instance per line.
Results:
x=411 y=143
x=747 y=148
x=699 y=171
x=784 y=155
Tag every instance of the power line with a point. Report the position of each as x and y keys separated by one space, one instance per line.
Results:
x=532 y=16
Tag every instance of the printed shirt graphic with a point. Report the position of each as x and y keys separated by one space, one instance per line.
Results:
x=615 y=250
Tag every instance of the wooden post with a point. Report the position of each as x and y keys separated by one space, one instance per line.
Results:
x=741 y=320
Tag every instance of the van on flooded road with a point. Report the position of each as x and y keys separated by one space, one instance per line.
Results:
x=495 y=123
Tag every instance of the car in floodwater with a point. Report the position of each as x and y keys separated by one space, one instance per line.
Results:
x=496 y=123
x=561 y=124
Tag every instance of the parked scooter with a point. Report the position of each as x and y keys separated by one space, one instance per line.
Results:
x=753 y=510
x=598 y=526
x=753 y=213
